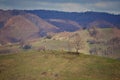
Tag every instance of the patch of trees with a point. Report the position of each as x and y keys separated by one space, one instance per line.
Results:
x=101 y=46
x=113 y=44
x=95 y=33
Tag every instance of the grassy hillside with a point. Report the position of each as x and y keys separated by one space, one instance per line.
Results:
x=56 y=65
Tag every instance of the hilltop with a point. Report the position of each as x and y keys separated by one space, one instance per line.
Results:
x=57 y=65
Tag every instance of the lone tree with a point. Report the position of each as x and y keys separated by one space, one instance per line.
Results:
x=78 y=42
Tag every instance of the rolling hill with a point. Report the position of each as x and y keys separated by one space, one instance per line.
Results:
x=82 y=18
x=44 y=27
x=41 y=45
x=18 y=28
x=57 y=65
x=24 y=27
x=39 y=23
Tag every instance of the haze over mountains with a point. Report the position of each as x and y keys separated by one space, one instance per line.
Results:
x=17 y=25
x=83 y=18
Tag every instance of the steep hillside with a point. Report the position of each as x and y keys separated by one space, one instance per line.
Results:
x=6 y=14
x=43 y=26
x=19 y=28
x=65 y=25
x=23 y=27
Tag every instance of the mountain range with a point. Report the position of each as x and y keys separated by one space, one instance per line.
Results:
x=20 y=25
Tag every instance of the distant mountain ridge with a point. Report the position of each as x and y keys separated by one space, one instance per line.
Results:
x=17 y=25
x=83 y=18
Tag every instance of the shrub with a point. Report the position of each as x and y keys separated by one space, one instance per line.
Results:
x=27 y=47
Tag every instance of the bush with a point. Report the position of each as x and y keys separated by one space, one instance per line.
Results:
x=27 y=47
x=48 y=36
x=91 y=41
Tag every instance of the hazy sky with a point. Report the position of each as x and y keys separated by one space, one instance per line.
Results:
x=111 y=6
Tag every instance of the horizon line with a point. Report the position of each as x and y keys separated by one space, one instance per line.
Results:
x=62 y=11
